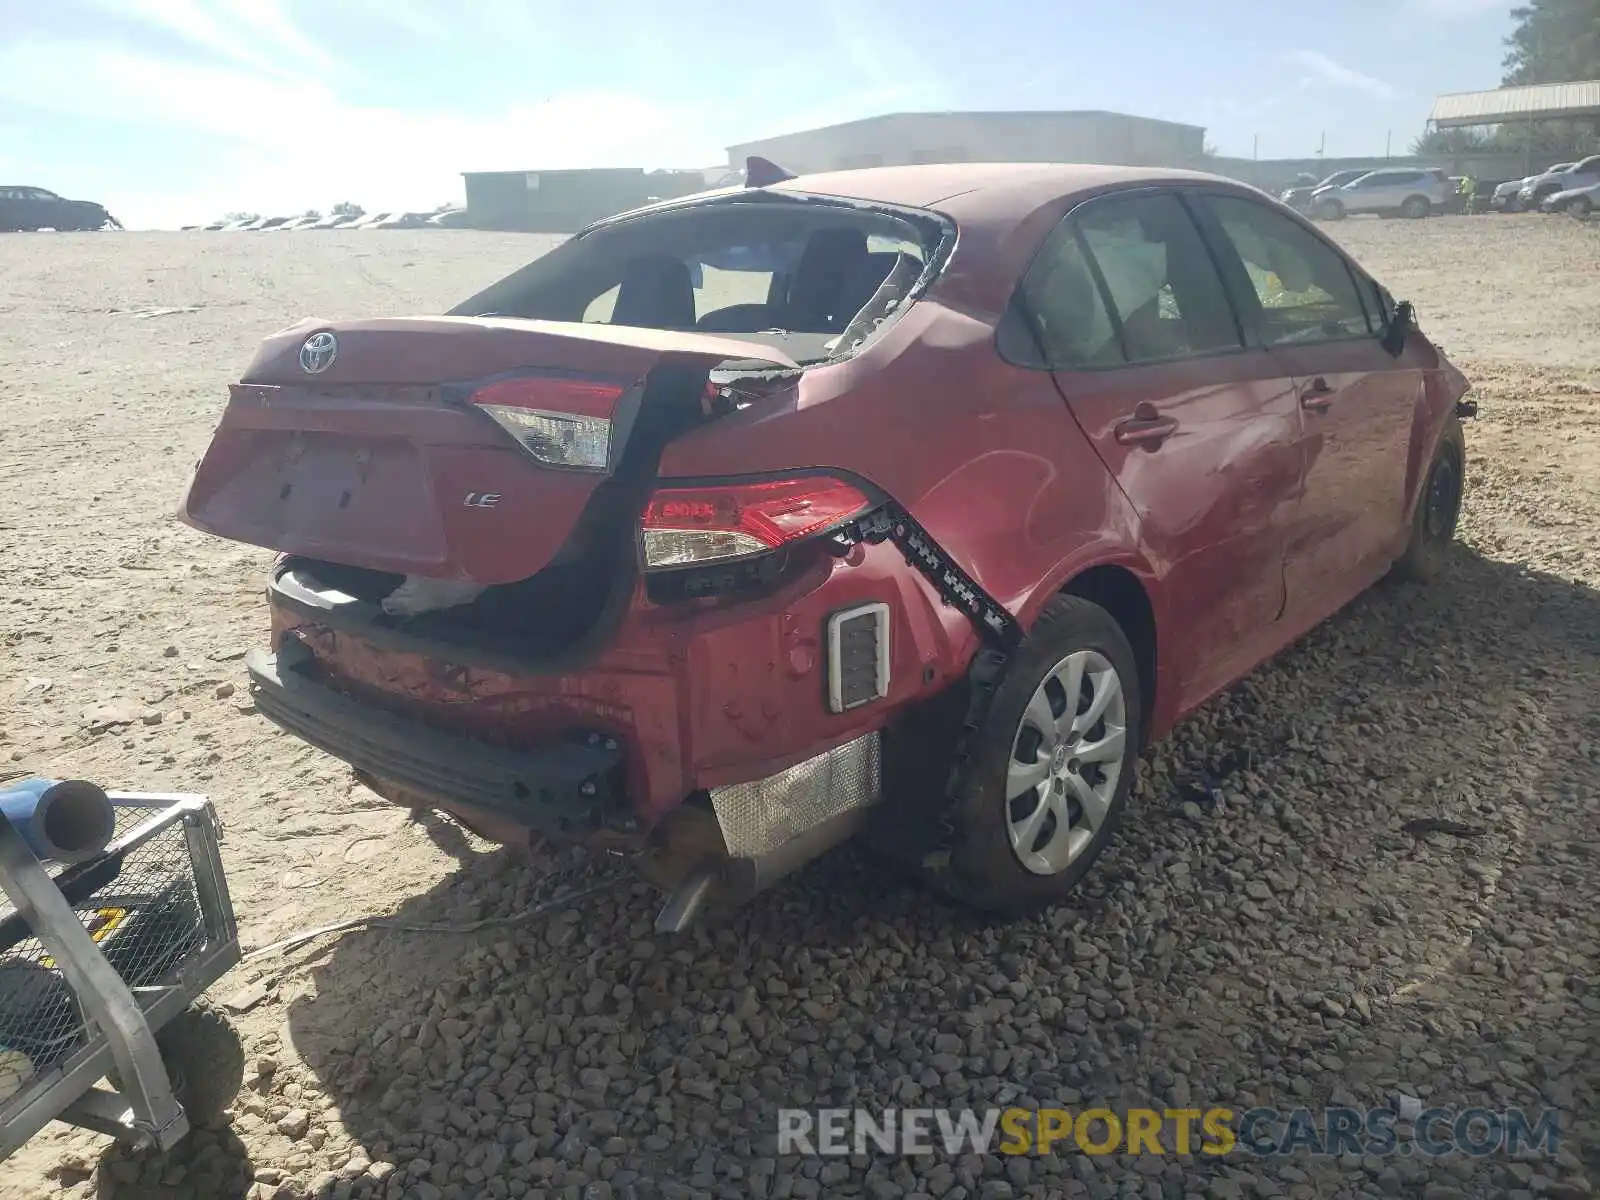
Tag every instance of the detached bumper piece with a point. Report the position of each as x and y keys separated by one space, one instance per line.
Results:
x=558 y=790
x=769 y=827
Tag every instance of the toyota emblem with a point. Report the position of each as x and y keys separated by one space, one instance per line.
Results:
x=318 y=353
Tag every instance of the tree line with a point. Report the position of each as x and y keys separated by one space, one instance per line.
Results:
x=1552 y=41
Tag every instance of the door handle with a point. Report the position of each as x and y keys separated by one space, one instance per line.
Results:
x=1145 y=431
x=1317 y=395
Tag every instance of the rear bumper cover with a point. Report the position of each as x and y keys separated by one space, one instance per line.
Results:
x=566 y=789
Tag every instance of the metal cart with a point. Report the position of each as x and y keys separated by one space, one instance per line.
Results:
x=102 y=966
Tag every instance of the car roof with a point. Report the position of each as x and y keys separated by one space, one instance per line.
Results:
x=982 y=192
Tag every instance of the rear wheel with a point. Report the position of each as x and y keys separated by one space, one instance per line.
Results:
x=1416 y=207
x=1053 y=764
x=1433 y=527
x=1330 y=210
x=204 y=1059
x=1580 y=206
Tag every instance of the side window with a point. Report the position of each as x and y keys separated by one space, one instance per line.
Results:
x=599 y=310
x=1060 y=302
x=1162 y=285
x=1306 y=291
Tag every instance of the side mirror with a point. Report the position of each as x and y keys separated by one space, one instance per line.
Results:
x=1401 y=325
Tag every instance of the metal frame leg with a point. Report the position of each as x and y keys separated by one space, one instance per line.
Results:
x=156 y=1115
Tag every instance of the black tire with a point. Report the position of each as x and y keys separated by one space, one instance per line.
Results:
x=204 y=1058
x=1580 y=206
x=1415 y=208
x=1330 y=210
x=986 y=872
x=1433 y=525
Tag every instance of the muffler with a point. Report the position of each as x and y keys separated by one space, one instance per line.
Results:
x=752 y=835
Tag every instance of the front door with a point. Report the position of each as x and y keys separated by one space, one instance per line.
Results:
x=1358 y=404
x=1202 y=434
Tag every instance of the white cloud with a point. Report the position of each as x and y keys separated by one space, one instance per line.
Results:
x=1331 y=71
x=254 y=33
x=236 y=107
x=292 y=144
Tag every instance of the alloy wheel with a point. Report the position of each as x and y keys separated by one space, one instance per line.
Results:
x=1066 y=760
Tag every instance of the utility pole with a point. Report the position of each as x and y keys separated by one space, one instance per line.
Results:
x=1387 y=134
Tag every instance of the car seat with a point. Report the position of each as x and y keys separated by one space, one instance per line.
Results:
x=831 y=258
x=656 y=292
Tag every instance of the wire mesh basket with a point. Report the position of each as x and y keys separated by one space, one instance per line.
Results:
x=157 y=910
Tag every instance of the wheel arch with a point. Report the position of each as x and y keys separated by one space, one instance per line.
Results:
x=1124 y=595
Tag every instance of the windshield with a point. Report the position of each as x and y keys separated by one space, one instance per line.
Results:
x=795 y=275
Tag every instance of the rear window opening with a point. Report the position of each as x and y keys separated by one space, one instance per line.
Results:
x=809 y=278
x=545 y=620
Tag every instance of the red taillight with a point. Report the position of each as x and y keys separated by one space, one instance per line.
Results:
x=685 y=526
x=560 y=421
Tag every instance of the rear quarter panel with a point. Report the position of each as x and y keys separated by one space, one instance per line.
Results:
x=985 y=455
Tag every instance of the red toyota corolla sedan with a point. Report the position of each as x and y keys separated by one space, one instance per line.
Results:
x=914 y=500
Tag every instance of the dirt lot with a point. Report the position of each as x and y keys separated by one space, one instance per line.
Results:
x=1292 y=946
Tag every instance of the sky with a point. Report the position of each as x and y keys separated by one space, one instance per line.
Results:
x=176 y=111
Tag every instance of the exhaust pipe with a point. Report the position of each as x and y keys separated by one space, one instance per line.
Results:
x=735 y=881
x=687 y=901
x=67 y=821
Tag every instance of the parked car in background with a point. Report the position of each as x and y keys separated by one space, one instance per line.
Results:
x=451 y=218
x=1299 y=196
x=1577 y=202
x=1579 y=175
x=26 y=209
x=262 y=223
x=335 y=221
x=1505 y=197
x=368 y=221
x=403 y=220
x=1398 y=191
x=715 y=578
x=305 y=222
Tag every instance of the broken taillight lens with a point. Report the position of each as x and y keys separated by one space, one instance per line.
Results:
x=559 y=421
x=683 y=527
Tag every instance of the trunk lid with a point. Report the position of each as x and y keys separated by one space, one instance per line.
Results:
x=368 y=452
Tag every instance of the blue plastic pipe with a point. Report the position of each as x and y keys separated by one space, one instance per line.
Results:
x=65 y=821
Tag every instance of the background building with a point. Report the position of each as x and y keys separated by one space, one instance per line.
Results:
x=898 y=139
x=565 y=201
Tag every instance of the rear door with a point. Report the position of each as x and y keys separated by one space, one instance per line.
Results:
x=44 y=208
x=1201 y=433
x=1383 y=190
x=1303 y=303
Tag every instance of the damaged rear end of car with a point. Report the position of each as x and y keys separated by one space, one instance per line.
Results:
x=487 y=599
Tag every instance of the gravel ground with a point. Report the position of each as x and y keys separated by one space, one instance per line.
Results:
x=1292 y=944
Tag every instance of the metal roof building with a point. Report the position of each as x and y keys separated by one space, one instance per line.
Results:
x=1504 y=106
x=905 y=139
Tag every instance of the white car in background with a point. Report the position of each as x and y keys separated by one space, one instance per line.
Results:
x=1394 y=191
x=1505 y=196
x=1579 y=175
x=1577 y=202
